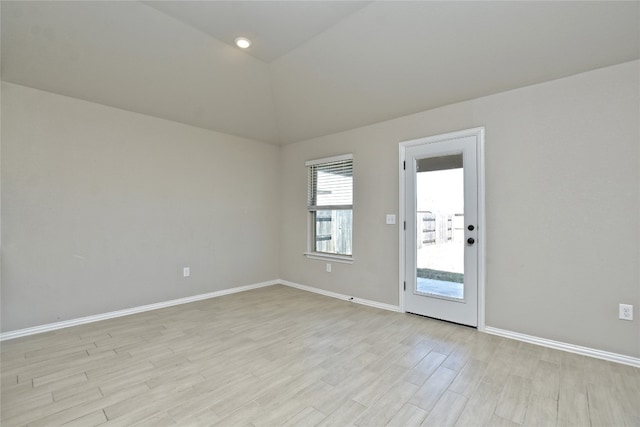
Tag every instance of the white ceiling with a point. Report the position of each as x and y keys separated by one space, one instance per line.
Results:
x=275 y=27
x=315 y=67
x=391 y=59
x=130 y=56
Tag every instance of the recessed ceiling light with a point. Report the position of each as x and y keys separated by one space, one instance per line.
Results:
x=243 y=42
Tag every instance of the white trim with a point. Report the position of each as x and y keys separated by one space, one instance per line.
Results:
x=341 y=296
x=119 y=313
x=444 y=137
x=329 y=159
x=571 y=348
x=482 y=231
x=401 y=228
x=329 y=257
x=586 y=351
x=478 y=132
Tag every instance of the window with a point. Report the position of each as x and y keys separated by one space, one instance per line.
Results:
x=330 y=206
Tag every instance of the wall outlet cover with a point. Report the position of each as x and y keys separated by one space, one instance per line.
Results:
x=625 y=312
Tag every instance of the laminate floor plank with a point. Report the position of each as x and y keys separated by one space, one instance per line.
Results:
x=542 y=411
x=84 y=404
x=382 y=411
x=344 y=415
x=308 y=417
x=514 y=400
x=240 y=417
x=44 y=411
x=281 y=356
x=546 y=379
x=469 y=377
x=408 y=415
x=385 y=381
x=605 y=407
x=90 y=420
x=345 y=390
x=431 y=391
x=425 y=368
x=573 y=407
x=416 y=353
x=480 y=406
x=447 y=410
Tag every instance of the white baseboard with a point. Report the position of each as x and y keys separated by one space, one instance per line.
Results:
x=113 y=314
x=341 y=296
x=119 y=313
x=571 y=348
x=586 y=351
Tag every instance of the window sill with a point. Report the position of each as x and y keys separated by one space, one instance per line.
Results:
x=329 y=257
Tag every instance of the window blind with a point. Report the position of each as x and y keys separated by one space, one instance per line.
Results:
x=330 y=184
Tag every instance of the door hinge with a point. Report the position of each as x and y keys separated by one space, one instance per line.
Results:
x=405 y=286
x=404 y=165
x=405 y=225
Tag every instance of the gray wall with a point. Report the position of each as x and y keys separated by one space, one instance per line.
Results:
x=562 y=203
x=102 y=208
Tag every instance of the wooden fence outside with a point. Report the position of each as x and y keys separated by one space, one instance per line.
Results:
x=436 y=227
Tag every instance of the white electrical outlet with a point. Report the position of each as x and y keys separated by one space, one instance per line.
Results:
x=626 y=312
x=328 y=268
x=186 y=272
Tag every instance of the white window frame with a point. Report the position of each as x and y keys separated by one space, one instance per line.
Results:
x=310 y=252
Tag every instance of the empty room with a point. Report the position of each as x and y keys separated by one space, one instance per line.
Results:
x=320 y=213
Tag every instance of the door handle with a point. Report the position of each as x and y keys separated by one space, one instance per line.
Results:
x=471 y=240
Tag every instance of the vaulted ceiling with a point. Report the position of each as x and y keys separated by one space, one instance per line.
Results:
x=314 y=67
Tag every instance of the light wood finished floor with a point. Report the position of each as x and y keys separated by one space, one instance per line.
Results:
x=280 y=356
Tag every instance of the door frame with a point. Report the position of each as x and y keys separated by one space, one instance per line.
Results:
x=402 y=146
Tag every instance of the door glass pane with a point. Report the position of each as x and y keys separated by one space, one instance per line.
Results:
x=440 y=227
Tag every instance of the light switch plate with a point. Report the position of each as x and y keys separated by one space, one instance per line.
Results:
x=391 y=219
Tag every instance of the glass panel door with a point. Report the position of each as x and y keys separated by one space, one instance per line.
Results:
x=441 y=206
x=440 y=226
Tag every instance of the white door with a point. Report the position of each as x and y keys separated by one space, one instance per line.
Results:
x=441 y=237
